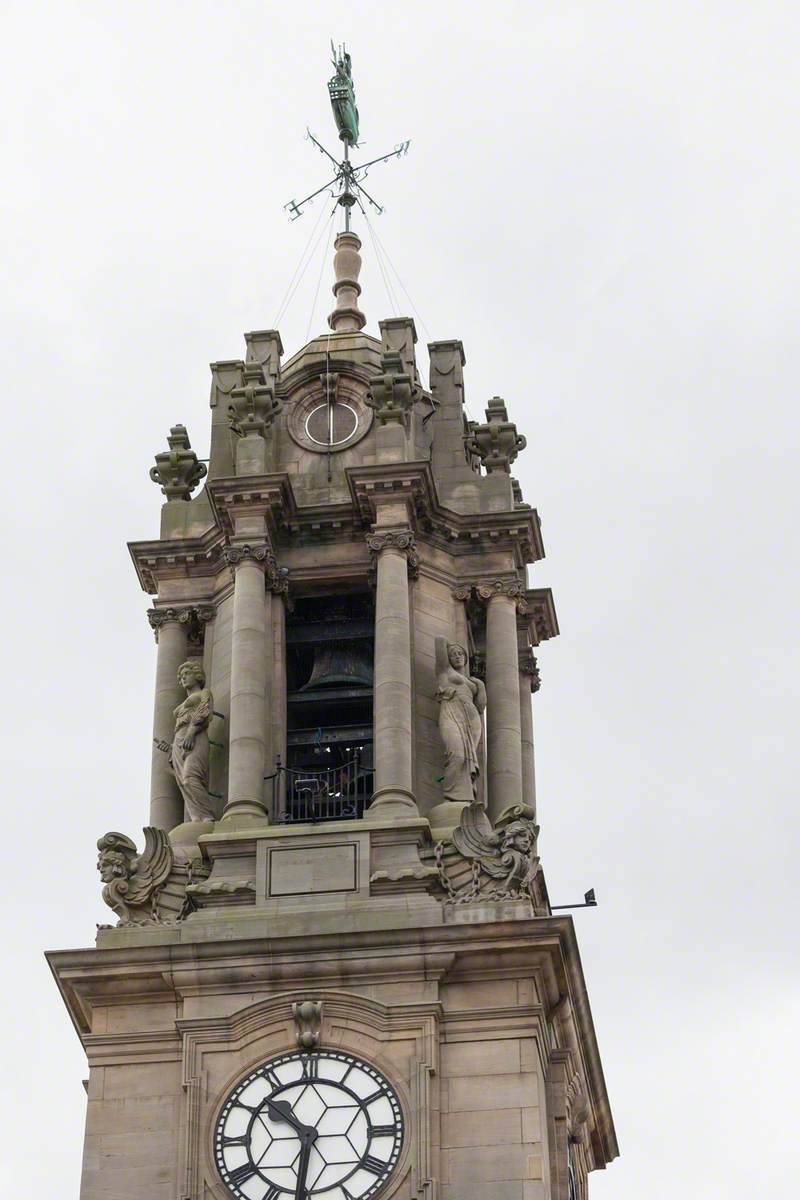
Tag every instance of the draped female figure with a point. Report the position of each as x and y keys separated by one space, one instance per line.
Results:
x=462 y=699
x=188 y=754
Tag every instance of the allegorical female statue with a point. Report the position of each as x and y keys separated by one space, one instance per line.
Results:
x=188 y=754
x=462 y=699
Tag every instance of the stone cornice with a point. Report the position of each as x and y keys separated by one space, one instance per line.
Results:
x=542 y=619
x=516 y=529
x=272 y=494
x=177 y=558
x=459 y=534
x=253 y=959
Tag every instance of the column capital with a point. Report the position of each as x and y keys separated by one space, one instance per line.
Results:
x=160 y=616
x=402 y=540
x=277 y=580
x=462 y=591
x=529 y=666
x=487 y=589
x=260 y=554
x=189 y=615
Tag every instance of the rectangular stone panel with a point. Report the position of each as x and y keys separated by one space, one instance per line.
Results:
x=303 y=871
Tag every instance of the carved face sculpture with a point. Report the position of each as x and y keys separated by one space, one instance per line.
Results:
x=517 y=836
x=190 y=673
x=458 y=657
x=112 y=864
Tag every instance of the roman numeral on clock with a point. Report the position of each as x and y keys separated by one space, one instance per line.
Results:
x=241 y=1174
x=382 y=1131
x=274 y=1193
x=310 y=1067
x=373 y=1165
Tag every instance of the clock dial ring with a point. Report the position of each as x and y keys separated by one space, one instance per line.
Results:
x=345 y=1109
x=328 y=423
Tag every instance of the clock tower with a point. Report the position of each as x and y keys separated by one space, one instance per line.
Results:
x=332 y=971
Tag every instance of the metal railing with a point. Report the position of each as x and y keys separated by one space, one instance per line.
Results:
x=328 y=794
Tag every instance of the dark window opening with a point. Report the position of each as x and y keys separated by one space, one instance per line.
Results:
x=328 y=774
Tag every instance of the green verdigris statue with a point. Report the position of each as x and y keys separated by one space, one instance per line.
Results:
x=343 y=97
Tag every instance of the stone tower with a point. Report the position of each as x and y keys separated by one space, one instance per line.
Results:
x=335 y=973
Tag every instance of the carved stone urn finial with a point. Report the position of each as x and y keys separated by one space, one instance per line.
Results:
x=178 y=470
x=496 y=442
x=254 y=406
x=392 y=392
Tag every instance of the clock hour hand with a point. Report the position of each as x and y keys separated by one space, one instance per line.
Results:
x=281 y=1110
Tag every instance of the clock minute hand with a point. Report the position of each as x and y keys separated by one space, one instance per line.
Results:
x=302 y=1166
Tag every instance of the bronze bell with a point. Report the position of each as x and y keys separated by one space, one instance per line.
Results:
x=341 y=663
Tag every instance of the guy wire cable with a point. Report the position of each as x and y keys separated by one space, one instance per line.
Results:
x=321 y=269
x=379 y=259
x=399 y=280
x=297 y=277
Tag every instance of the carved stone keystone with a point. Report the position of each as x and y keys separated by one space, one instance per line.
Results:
x=178 y=470
x=496 y=442
x=308 y=1023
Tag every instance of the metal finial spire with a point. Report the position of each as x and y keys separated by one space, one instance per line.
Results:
x=346 y=183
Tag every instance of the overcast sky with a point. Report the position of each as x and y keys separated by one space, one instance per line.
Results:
x=601 y=201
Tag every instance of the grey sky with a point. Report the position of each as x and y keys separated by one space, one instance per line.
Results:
x=601 y=201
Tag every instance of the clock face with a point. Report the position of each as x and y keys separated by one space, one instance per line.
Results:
x=331 y=424
x=321 y=1126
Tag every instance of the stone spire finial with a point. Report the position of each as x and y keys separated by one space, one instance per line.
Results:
x=347 y=316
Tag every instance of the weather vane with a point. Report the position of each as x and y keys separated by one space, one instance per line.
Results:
x=346 y=183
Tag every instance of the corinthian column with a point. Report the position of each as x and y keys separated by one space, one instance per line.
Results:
x=395 y=554
x=503 y=732
x=171 y=627
x=528 y=684
x=250 y=667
